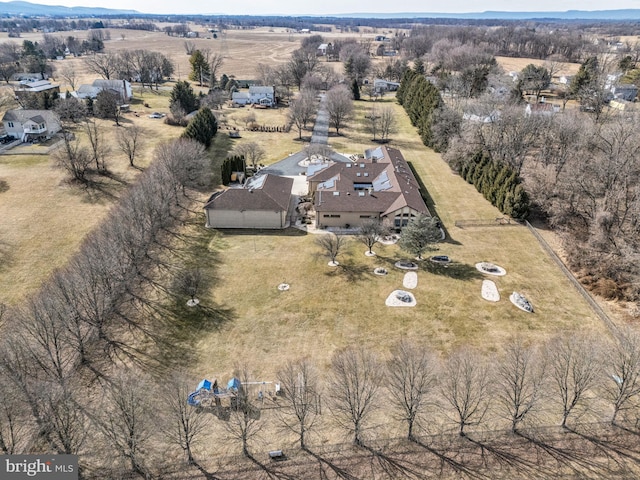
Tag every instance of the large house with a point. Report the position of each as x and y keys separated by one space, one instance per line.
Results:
x=263 y=202
x=381 y=186
x=121 y=87
x=29 y=125
x=262 y=95
x=38 y=93
x=257 y=95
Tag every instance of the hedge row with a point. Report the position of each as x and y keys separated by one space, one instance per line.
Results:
x=498 y=183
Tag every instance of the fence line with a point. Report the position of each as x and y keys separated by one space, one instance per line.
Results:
x=496 y=222
x=574 y=281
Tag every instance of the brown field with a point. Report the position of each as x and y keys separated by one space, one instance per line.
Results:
x=510 y=64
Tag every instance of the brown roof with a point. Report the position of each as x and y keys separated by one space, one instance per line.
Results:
x=383 y=183
x=271 y=193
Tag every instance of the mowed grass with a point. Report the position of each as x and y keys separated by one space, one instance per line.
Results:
x=44 y=216
x=329 y=308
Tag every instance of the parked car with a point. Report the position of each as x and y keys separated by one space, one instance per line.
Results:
x=6 y=139
x=156 y=115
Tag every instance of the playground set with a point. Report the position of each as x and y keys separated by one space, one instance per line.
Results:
x=209 y=394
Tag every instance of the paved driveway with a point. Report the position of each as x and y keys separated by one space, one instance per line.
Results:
x=290 y=166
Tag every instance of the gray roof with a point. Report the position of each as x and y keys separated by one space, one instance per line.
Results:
x=272 y=194
x=109 y=84
x=256 y=89
x=37 y=116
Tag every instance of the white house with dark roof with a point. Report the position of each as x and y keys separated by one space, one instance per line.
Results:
x=120 y=87
x=381 y=186
x=28 y=125
x=263 y=202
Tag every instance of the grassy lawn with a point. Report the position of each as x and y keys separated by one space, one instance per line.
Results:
x=329 y=308
x=45 y=217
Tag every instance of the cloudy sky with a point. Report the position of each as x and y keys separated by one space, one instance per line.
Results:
x=327 y=7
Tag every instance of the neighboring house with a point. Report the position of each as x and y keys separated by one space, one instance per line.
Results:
x=28 y=92
x=240 y=98
x=566 y=79
x=541 y=109
x=29 y=125
x=262 y=95
x=474 y=117
x=622 y=105
x=27 y=77
x=322 y=49
x=625 y=92
x=263 y=202
x=381 y=187
x=120 y=87
x=381 y=85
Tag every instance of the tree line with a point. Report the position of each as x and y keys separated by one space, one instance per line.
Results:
x=64 y=351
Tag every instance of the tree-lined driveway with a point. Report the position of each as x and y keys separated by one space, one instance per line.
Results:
x=290 y=166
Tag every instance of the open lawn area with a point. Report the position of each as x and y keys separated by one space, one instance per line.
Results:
x=44 y=216
x=329 y=308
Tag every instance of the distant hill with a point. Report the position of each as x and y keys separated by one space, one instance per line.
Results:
x=33 y=9
x=627 y=14
x=15 y=8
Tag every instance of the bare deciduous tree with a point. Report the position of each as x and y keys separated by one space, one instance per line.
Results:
x=183 y=424
x=14 y=424
x=104 y=64
x=339 y=104
x=69 y=75
x=252 y=151
x=332 y=245
x=100 y=148
x=353 y=387
x=301 y=110
x=623 y=362
x=519 y=378
x=574 y=369
x=244 y=420
x=465 y=387
x=370 y=233
x=130 y=141
x=411 y=374
x=73 y=157
x=299 y=382
x=126 y=421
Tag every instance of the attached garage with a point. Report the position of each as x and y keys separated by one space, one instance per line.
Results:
x=263 y=202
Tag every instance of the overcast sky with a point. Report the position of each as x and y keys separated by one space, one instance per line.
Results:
x=327 y=7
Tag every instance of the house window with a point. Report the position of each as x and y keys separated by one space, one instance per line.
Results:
x=366 y=216
x=10 y=124
x=326 y=215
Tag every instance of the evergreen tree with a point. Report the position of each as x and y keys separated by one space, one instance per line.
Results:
x=183 y=96
x=418 y=66
x=202 y=127
x=587 y=76
x=200 y=69
x=418 y=236
x=355 y=89
x=516 y=203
